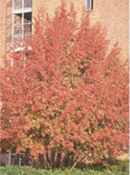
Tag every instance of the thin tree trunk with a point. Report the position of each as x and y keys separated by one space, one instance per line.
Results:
x=9 y=157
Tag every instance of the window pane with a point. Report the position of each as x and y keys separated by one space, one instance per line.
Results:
x=18 y=31
x=17 y=4
x=27 y=29
x=18 y=19
x=89 y=4
x=27 y=24
x=28 y=17
x=28 y=3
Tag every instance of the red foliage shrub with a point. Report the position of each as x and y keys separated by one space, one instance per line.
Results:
x=70 y=97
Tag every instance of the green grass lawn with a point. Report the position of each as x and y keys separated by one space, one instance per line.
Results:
x=119 y=169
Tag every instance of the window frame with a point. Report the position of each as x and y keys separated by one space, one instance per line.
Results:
x=89 y=5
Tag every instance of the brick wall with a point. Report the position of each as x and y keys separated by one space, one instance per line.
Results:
x=5 y=27
x=113 y=14
x=2 y=29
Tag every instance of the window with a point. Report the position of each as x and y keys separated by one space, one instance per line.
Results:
x=21 y=19
x=89 y=4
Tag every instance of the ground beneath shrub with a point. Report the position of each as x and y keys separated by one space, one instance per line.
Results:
x=121 y=168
